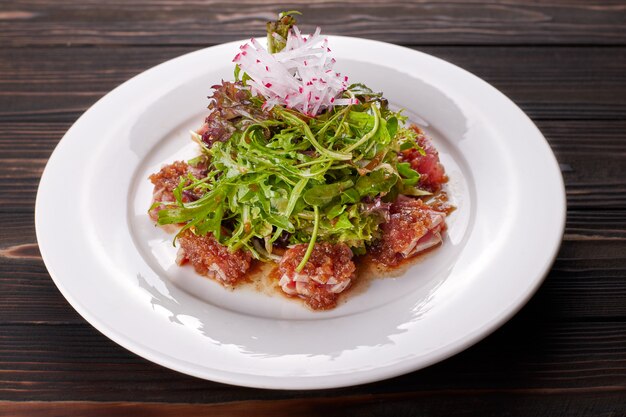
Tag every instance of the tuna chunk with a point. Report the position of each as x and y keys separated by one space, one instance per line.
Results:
x=412 y=228
x=211 y=258
x=166 y=180
x=328 y=272
x=432 y=174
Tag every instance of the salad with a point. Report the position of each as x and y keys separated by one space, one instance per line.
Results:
x=301 y=168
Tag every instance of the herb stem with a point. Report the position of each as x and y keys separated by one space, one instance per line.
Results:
x=369 y=134
x=309 y=250
x=313 y=162
x=311 y=138
x=295 y=195
x=343 y=113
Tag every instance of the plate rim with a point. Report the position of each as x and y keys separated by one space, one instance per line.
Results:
x=275 y=382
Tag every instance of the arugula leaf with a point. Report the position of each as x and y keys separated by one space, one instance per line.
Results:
x=335 y=211
x=320 y=195
x=411 y=177
x=376 y=182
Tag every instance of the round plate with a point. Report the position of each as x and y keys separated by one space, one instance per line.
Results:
x=118 y=271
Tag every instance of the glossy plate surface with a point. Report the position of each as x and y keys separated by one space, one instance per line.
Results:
x=117 y=270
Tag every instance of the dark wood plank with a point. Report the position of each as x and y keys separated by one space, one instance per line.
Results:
x=596 y=401
x=19 y=179
x=586 y=280
x=159 y=22
x=18 y=230
x=591 y=155
x=30 y=141
x=58 y=84
x=76 y=363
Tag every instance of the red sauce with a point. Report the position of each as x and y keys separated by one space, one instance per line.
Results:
x=440 y=202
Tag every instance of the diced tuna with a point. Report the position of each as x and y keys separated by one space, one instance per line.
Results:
x=327 y=273
x=432 y=173
x=413 y=227
x=211 y=258
x=166 y=180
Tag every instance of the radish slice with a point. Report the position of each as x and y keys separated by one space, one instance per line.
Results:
x=300 y=77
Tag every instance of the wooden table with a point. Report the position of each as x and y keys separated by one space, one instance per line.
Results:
x=562 y=61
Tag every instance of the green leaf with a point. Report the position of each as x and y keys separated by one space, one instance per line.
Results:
x=335 y=211
x=343 y=222
x=350 y=196
x=411 y=177
x=376 y=182
x=405 y=146
x=392 y=126
x=404 y=169
x=320 y=195
x=281 y=222
x=361 y=120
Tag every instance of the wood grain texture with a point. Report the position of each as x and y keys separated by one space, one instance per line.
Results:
x=58 y=84
x=601 y=401
x=76 y=363
x=41 y=22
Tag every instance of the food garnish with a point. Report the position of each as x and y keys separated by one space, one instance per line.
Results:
x=300 y=167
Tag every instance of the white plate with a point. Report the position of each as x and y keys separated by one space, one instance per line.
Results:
x=117 y=270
